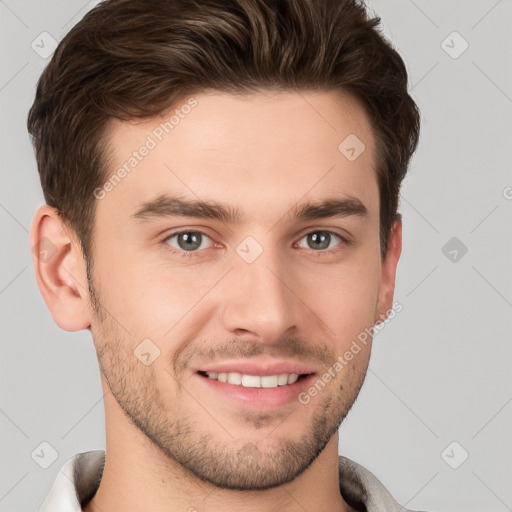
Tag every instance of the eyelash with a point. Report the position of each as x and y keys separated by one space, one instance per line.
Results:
x=192 y=254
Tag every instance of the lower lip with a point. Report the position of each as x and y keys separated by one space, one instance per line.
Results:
x=259 y=398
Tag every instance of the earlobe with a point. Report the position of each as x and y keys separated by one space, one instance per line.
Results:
x=388 y=273
x=60 y=270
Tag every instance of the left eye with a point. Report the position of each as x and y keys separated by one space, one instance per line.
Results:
x=321 y=240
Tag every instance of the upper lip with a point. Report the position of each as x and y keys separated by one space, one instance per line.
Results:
x=258 y=367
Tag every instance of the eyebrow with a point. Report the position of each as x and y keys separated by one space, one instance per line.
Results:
x=172 y=206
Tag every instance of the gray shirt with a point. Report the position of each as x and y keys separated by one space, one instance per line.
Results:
x=79 y=478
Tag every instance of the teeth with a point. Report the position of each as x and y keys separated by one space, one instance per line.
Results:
x=282 y=379
x=251 y=381
x=254 y=381
x=269 y=381
x=235 y=378
x=292 y=378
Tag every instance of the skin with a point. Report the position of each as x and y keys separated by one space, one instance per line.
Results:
x=171 y=442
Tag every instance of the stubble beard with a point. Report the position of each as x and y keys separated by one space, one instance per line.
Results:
x=238 y=464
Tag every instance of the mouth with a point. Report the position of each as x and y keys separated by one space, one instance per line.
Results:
x=254 y=392
x=255 y=381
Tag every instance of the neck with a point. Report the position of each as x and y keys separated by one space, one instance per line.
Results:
x=138 y=476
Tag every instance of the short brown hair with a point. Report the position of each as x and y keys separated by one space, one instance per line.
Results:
x=129 y=59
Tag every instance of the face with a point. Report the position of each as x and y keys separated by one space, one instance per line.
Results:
x=256 y=288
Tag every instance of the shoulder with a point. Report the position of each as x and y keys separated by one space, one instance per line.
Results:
x=361 y=488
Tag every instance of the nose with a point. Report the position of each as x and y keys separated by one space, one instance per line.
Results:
x=258 y=298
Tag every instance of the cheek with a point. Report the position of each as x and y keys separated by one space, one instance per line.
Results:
x=345 y=298
x=151 y=298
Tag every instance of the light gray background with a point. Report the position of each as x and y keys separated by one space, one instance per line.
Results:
x=440 y=371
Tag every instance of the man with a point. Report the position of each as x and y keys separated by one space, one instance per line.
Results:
x=222 y=183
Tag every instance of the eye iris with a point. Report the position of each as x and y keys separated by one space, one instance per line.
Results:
x=322 y=238
x=191 y=240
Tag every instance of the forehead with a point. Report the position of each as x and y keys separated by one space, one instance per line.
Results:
x=264 y=151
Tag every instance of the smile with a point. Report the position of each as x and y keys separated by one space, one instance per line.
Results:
x=254 y=381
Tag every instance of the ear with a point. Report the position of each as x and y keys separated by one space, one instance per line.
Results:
x=387 y=279
x=60 y=270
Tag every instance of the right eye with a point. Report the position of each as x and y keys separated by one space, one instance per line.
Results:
x=187 y=241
